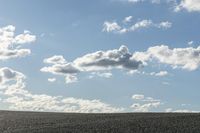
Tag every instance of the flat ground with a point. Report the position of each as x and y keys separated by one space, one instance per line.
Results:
x=35 y=122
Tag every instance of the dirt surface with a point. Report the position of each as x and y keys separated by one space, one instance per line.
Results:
x=35 y=122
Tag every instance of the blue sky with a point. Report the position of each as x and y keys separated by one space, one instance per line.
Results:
x=148 y=59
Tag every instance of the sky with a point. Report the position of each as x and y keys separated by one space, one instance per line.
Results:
x=100 y=56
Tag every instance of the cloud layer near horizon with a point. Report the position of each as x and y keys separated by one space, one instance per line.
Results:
x=19 y=98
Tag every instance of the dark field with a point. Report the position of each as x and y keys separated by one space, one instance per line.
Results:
x=33 y=122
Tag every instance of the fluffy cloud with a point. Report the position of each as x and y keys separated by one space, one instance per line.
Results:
x=26 y=37
x=7 y=74
x=10 y=44
x=94 y=62
x=98 y=63
x=107 y=60
x=61 y=69
x=189 y=5
x=146 y=23
x=8 y=54
x=144 y=104
x=56 y=59
x=185 y=58
x=19 y=98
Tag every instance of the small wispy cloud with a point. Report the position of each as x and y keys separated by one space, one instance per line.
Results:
x=51 y=79
x=114 y=27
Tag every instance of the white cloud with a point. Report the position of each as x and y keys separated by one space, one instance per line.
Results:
x=160 y=74
x=19 y=98
x=107 y=60
x=10 y=44
x=181 y=110
x=127 y=19
x=146 y=23
x=71 y=78
x=111 y=27
x=16 y=53
x=190 y=43
x=185 y=58
x=56 y=59
x=189 y=5
x=178 y=5
x=101 y=61
x=137 y=1
x=61 y=69
x=51 y=79
x=141 y=24
x=165 y=24
x=99 y=74
x=144 y=107
x=144 y=104
x=7 y=74
x=138 y=97
x=26 y=37
x=93 y=62
x=68 y=70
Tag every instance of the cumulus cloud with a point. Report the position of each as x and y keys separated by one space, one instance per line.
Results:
x=189 y=5
x=93 y=62
x=18 y=97
x=7 y=74
x=100 y=62
x=26 y=37
x=68 y=70
x=16 y=53
x=56 y=59
x=107 y=60
x=61 y=69
x=10 y=44
x=185 y=58
x=114 y=27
